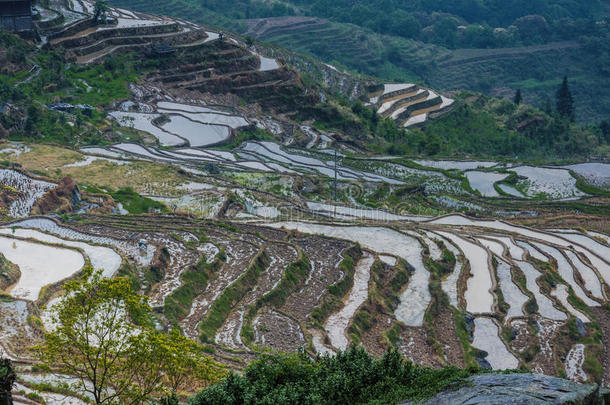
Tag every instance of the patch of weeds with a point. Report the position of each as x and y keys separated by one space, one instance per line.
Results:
x=222 y=305
x=135 y=203
x=334 y=300
x=194 y=280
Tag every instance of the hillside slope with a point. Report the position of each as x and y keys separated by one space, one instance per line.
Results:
x=498 y=64
x=235 y=184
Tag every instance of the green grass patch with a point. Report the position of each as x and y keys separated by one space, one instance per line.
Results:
x=222 y=306
x=294 y=276
x=194 y=280
x=247 y=134
x=134 y=202
x=585 y=187
x=461 y=331
x=334 y=300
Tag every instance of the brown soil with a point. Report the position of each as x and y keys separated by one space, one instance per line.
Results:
x=280 y=256
x=373 y=339
x=59 y=199
x=277 y=331
x=591 y=222
x=7 y=196
x=324 y=255
x=443 y=325
x=239 y=256
x=545 y=361
x=414 y=345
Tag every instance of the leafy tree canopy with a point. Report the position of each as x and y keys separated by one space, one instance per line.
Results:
x=350 y=377
x=104 y=335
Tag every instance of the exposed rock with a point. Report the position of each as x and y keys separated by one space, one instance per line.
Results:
x=513 y=389
x=581 y=328
x=481 y=359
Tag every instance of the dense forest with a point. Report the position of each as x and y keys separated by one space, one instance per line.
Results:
x=465 y=23
x=455 y=23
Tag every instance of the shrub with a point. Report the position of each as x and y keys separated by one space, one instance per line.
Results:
x=350 y=377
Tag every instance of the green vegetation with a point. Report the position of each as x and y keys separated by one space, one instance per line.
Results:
x=364 y=318
x=58 y=388
x=487 y=46
x=350 y=377
x=9 y=273
x=96 y=85
x=585 y=187
x=135 y=203
x=100 y=8
x=461 y=330
x=294 y=275
x=592 y=364
x=442 y=267
x=37 y=78
x=477 y=126
x=482 y=126
x=385 y=286
x=193 y=282
x=565 y=102
x=130 y=200
x=7 y=377
x=248 y=134
x=222 y=306
x=439 y=303
x=334 y=300
x=106 y=339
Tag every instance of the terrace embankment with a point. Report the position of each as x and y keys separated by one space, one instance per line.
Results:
x=61 y=199
x=408 y=104
x=196 y=60
x=9 y=273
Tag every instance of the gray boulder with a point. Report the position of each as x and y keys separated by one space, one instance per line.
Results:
x=519 y=389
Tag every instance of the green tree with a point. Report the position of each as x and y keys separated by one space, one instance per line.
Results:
x=350 y=377
x=604 y=126
x=548 y=106
x=565 y=102
x=518 y=99
x=103 y=335
x=433 y=145
x=7 y=379
x=445 y=32
x=99 y=11
x=188 y=365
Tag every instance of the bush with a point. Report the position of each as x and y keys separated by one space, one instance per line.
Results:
x=135 y=203
x=7 y=377
x=350 y=377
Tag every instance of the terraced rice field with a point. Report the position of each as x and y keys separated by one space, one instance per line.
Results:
x=557 y=183
x=258 y=251
x=58 y=264
x=491 y=256
x=29 y=190
x=483 y=182
x=407 y=103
